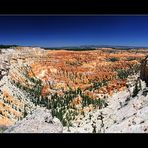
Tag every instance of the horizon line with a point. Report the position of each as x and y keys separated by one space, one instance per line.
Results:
x=67 y=46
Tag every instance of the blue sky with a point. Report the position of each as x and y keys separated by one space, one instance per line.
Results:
x=56 y=31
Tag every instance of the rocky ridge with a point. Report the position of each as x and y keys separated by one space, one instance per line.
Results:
x=40 y=121
x=13 y=101
x=124 y=114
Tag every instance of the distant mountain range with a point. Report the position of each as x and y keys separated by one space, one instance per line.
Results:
x=111 y=46
x=96 y=46
x=81 y=47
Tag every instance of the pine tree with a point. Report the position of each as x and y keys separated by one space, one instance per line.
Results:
x=25 y=112
x=140 y=86
x=136 y=90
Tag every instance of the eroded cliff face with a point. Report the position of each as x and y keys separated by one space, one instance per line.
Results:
x=70 y=83
x=14 y=103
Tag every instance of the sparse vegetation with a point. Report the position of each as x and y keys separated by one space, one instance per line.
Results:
x=122 y=74
x=131 y=58
x=137 y=87
x=114 y=59
x=61 y=106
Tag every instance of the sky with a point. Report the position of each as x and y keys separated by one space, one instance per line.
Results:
x=74 y=30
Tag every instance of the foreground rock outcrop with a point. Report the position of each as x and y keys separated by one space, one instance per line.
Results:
x=124 y=114
x=40 y=121
x=144 y=70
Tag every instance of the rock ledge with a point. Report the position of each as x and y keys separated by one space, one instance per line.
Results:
x=40 y=121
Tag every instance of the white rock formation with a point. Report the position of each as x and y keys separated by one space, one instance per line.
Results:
x=124 y=114
x=40 y=121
